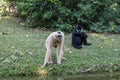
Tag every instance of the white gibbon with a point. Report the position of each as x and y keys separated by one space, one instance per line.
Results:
x=56 y=40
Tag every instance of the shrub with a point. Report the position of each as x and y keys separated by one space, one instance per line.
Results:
x=3 y=6
x=67 y=13
x=64 y=27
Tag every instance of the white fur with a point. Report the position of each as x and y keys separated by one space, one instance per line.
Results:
x=50 y=44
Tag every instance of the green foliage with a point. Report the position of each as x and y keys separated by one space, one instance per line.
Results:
x=47 y=15
x=98 y=14
x=3 y=6
x=64 y=27
x=117 y=29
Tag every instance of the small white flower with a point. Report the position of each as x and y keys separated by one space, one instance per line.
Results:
x=29 y=53
x=101 y=47
x=70 y=51
x=26 y=35
x=116 y=50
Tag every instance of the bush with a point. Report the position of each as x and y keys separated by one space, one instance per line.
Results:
x=67 y=13
x=64 y=27
x=3 y=6
x=117 y=29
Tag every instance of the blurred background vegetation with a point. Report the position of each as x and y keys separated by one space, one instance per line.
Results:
x=92 y=15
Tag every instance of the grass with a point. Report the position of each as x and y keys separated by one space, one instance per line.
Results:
x=22 y=52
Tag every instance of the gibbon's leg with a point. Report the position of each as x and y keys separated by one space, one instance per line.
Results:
x=62 y=57
x=50 y=60
x=76 y=43
x=58 y=54
x=84 y=39
x=47 y=56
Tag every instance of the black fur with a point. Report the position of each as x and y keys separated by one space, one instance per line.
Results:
x=79 y=37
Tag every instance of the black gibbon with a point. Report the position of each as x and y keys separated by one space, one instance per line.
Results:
x=79 y=37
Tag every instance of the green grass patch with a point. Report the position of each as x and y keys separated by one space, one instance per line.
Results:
x=22 y=52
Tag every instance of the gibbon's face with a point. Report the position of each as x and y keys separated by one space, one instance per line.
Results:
x=59 y=36
x=79 y=29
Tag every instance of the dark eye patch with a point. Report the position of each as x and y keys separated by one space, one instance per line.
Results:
x=59 y=35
